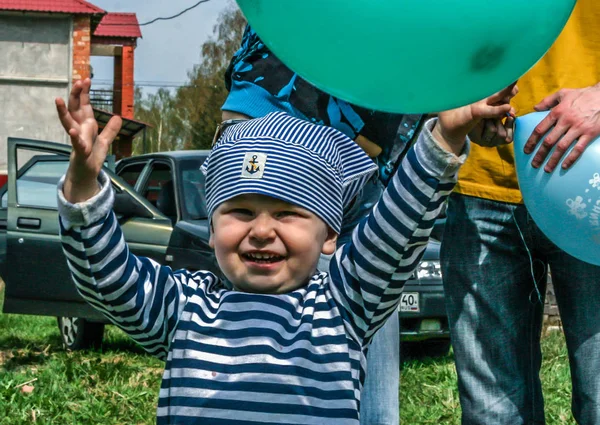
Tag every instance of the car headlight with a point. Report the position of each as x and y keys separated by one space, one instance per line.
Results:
x=429 y=270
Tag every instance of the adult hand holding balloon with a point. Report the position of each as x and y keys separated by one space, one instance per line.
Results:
x=565 y=204
x=575 y=120
x=408 y=56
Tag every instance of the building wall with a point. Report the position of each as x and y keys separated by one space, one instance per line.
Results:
x=36 y=67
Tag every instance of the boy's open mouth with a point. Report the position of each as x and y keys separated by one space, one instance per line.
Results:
x=262 y=257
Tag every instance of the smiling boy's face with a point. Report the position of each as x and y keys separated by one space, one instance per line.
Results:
x=265 y=245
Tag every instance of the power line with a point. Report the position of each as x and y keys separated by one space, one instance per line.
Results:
x=165 y=84
x=143 y=83
x=167 y=18
x=176 y=15
x=101 y=81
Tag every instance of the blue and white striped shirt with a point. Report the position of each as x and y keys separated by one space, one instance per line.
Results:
x=249 y=359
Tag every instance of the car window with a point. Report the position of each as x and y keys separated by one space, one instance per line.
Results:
x=160 y=191
x=4 y=200
x=194 y=195
x=36 y=187
x=131 y=173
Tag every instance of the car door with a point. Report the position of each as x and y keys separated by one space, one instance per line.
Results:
x=36 y=274
x=175 y=185
x=3 y=217
x=132 y=169
x=189 y=247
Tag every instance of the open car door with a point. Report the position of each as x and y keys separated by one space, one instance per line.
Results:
x=37 y=278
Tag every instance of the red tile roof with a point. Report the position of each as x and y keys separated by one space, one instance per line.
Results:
x=58 y=6
x=118 y=25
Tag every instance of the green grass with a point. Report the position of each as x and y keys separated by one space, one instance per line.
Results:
x=429 y=395
x=119 y=385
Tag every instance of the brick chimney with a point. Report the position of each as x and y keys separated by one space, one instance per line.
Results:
x=81 y=47
x=124 y=83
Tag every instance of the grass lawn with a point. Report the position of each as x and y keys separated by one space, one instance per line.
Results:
x=119 y=385
x=116 y=386
x=429 y=394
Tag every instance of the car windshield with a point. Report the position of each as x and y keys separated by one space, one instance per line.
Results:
x=194 y=196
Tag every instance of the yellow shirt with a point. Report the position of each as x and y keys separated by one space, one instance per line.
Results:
x=573 y=61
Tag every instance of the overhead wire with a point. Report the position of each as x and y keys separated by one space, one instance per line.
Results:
x=160 y=18
x=174 y=16
x=158 y=84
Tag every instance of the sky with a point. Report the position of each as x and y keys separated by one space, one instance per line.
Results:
x=167 y=49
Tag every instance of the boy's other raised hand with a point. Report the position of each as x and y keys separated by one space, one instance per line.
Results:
x=453 y=126
x=89 y=147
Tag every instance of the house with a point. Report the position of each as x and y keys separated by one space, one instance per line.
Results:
x=45 y=46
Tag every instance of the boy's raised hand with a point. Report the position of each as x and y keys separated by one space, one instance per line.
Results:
x=453 y=126
x=89 y=147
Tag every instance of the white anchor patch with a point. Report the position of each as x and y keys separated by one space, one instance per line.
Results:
x=254 y=165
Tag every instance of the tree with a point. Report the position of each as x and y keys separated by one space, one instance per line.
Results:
x=157 y=109
x=187 y=119
x=199 y=104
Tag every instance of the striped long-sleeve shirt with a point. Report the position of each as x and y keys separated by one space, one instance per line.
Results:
x=246 y=358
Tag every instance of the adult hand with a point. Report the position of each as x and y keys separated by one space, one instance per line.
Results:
x=574 y=119
x=89 y=148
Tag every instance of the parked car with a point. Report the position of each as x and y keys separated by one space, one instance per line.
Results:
x=423 y=321
x=160 y=205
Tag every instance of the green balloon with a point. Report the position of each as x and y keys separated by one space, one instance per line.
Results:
x=409 y=56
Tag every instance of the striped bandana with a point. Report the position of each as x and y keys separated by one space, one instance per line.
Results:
x=313 y=166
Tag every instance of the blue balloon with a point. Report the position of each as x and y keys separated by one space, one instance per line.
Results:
x=565 y=204
x=409 y=56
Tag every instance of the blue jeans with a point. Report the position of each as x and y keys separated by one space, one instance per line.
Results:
x=495 y=310
x=379 y=397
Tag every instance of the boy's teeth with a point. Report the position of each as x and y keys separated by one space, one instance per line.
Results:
x=260 y=256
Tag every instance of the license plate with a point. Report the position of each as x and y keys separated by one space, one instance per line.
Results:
x=409 y=302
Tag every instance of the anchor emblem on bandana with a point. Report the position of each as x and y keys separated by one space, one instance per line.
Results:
x=254 y=165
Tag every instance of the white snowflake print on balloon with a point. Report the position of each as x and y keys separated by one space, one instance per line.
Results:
x=595 y=181
x=577 y=207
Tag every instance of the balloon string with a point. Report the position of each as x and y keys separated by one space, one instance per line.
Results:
x=535 y=283
x=512 y=211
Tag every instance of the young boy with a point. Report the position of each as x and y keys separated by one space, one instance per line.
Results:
x=259 y=83
x=286 y=345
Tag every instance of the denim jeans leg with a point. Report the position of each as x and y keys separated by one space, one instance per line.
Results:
x=577 y=289
x=379 y=399
x=494 y=311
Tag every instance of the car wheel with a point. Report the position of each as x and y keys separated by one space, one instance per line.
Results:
x=79 y=334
